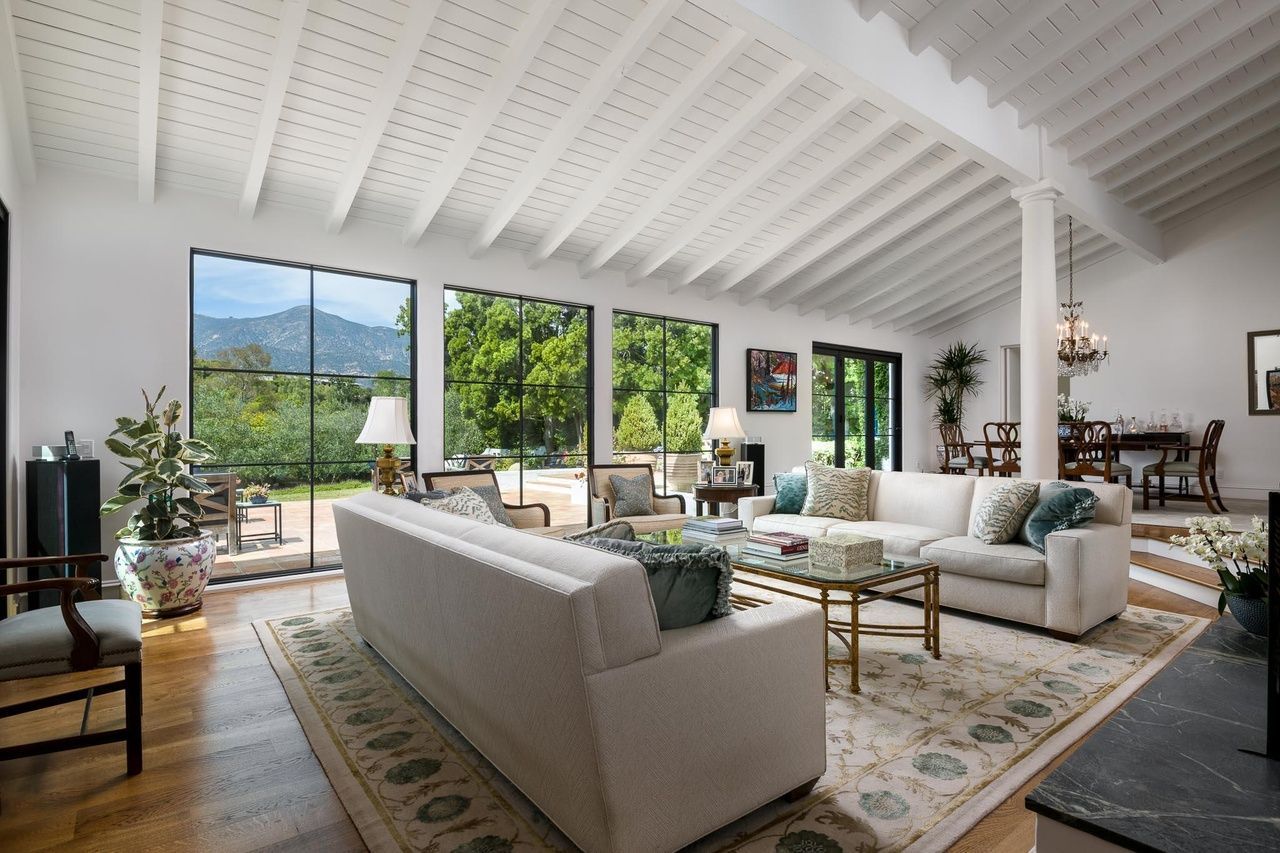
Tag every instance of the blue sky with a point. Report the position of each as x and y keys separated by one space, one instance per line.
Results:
x=230 y=287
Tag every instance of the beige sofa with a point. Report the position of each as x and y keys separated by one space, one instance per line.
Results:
x=547 y=656
x=1082 y=579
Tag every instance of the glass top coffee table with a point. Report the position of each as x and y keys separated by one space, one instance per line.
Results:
x=851 y=588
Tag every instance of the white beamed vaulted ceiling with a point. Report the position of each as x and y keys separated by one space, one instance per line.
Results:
x=677 y=141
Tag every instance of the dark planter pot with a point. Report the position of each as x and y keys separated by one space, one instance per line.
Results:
x=1251 y=613
x=258 y=499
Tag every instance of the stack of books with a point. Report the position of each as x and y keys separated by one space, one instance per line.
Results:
x=714 y=530
x=784 y=547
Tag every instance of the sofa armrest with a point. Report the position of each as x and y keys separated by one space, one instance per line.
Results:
x=749 y=509
x=727 y=717
x=1086 y=576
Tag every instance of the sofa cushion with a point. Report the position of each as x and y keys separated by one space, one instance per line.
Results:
x=836 y=492
x=689 y=583
x=902 y=539
x=1000 y=514
x=632 y=495
x=1060 y=507
x=789 y=492
x=930 y=500
x=1115 y=502
x=805 y=525
x=964 y=555
x=462 y=502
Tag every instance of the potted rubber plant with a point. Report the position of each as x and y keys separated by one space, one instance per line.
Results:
x=163 y=558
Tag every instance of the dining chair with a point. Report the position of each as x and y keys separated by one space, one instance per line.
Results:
x=220 y=512
x=1203 y=468
x=958 y=453
x=1003 y=448
x=1086 y=451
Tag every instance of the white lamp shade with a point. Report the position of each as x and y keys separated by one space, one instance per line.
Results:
x=388 y=422
x=723 y=423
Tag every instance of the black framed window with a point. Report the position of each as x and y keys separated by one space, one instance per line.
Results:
x=857 y=407
x=285 y=358
x=664 y=385
x=517 y=395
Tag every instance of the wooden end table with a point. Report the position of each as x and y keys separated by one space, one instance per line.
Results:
x=718 y=495
x=894 y=575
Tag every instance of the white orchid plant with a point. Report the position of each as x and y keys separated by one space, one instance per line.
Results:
x=1239 y=558
x=1070 y=411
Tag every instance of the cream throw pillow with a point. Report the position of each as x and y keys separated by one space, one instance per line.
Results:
x=462 y=502
x=836 y=492
x=1002 y=512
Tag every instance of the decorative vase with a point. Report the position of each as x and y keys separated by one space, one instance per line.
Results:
x=258 y=499
x=1251 y=613
x=168 y=577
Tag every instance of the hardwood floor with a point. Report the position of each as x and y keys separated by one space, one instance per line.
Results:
x=227 y=767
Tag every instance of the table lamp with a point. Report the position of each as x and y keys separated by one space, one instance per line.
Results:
x=388 y=425
x=723 y=424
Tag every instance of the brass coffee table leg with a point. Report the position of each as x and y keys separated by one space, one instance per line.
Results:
x=937 y=614
x=854 y=686
x=826 y=626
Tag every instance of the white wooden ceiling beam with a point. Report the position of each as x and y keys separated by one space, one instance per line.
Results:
x=919 y=249
x=871 y=58
x=150 y=36
x=1231 y=21
x=1016 y=25
x=633 y=42
x=873 y=135
x=1227 y=181
x=993 y=304
x=814 y=127
x=778 y=90
x=400 y=64
x=1126 y=176
x=1064 y=44
x=533 y=32
x=1172 y=18
x=292 y=16
x=936 y=22
x=691 y=87
x=868 y=9
x=1245 y=182
x=15 y=97
x=1238 y=151
x=839 y=263
x=907 y=192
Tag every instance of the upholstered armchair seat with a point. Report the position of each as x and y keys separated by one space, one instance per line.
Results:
x=964 y=462
x=1172 y=469
x=38 y=643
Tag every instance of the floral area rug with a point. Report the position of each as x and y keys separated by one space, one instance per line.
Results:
x=922 y=754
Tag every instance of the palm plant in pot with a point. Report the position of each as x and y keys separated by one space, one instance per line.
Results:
x=163 y=559
x=953 y=375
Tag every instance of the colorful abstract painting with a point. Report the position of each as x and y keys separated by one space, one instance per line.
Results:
x=771 y=381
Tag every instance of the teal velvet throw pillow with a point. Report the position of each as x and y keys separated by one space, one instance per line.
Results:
x=790 y=490
x=1061 y=506
x=689 y=583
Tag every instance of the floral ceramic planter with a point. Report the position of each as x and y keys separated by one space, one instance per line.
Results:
x=167 y=578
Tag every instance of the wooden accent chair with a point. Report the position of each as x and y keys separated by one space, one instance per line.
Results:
x=73 y=637
x=1204 y=469
x=219 y=507
x=1003 y=448
x=1086 y=451
x=525 y=517
x=959 y=456
x=669 y=510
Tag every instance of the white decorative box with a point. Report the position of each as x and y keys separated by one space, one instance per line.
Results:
x=841 y=552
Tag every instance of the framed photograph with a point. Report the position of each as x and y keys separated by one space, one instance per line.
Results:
x=746 y=472
x=1273 y=389
x=771 y=380
x=724 y=475
x=704 y=470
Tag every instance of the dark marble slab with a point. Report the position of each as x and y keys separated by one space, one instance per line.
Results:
x=1166 y=772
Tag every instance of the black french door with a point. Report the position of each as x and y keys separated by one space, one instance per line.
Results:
x=857 y=407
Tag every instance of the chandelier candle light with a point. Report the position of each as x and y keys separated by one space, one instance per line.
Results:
x=1079 y=351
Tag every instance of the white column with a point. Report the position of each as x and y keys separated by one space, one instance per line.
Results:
x=1039 y=433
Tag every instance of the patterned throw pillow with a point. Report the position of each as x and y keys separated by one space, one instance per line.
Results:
x=689 y=583
x=1061 y=506
x=1001 y=513
x=790 y=490
x=836 y=492
x=462 y=502
x=492 y=498
x=632 y=495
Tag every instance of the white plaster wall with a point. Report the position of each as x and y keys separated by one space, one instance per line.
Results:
x=105 y=303
x=1178 y=335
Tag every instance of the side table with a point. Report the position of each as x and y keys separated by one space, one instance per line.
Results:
x=719 y=495
x=276 y=534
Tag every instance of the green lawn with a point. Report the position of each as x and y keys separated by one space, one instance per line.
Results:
x=324 y=491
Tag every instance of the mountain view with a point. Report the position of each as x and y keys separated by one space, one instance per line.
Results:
x=342 y=346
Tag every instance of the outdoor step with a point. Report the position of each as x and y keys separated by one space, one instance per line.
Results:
x=1175 y=568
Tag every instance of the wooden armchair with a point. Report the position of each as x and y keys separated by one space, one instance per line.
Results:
x=959 y=456
x=1203 y=468
x=1003 y=448
x=1086 y=451
x=74 y=637
x=219 y=507
x=669 y=510
x=523 y=516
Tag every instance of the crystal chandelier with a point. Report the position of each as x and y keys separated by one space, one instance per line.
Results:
x=1079 y=351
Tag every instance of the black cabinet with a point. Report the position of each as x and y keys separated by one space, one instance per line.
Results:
x=62 y=518
x=753 y=451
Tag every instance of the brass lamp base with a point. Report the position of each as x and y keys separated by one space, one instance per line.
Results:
x=388 y=468
x=724 y=453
